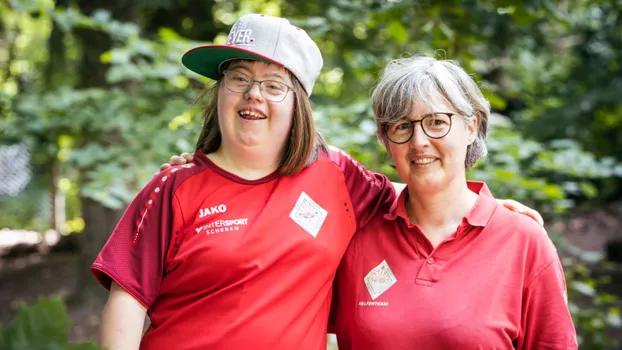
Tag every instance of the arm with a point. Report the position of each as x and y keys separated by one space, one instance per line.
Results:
x=545 y=321
x=508 y=203
x=134 y=260
x=521 y=209
x=122 y=321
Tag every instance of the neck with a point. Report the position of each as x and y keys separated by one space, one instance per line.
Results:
x=250 y=163
x=438 y=213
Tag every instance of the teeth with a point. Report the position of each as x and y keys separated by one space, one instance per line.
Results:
x=423 y=161
x=251 y=114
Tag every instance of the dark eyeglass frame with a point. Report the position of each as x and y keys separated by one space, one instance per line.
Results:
x=252 y=82
x=412 y=130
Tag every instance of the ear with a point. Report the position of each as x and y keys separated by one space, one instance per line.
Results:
x=472 y=129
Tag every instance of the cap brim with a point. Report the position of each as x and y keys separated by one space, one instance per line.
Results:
x=206 y=60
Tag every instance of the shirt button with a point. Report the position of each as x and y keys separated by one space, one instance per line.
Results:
x=419 y=239
x=431 y=261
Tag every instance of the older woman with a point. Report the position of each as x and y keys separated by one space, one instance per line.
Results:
x=446 y=267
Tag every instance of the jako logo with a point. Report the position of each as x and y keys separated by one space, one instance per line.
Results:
x=213 y=210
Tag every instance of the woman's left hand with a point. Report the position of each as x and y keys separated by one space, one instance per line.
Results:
x=522 y=209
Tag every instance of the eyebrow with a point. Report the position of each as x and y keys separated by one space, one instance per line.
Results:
x=240 y=66
x=275 y=74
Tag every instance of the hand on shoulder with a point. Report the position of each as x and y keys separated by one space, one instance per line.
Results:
x=177 y=160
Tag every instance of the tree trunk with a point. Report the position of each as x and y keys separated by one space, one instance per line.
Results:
x=58 y=198
x=99 y=220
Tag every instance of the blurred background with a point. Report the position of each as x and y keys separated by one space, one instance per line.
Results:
x=93 y=98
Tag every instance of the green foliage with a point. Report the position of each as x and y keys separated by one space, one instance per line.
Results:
x=30 y=215
x=41 y=326
x=552 y=69
x=551 y=176
x=116 y=136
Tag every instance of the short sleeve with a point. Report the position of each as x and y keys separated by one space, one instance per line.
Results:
x=546 y=322
x=371 y=193
x=134 y=255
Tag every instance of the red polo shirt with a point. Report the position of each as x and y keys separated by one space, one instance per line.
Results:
x=496 y=283
x=225 y=263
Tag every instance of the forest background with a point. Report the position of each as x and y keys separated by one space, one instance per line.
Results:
x=93 y=98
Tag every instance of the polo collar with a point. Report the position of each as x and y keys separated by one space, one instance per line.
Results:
x=479 y=215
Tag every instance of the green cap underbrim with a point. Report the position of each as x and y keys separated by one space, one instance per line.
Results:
x=206 y=60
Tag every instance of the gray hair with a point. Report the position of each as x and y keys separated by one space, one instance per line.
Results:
x=422 y=79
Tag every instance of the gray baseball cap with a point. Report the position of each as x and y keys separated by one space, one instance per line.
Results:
x=261 y=38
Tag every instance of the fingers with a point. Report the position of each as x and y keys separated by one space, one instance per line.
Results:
x=535 y=215
x=522 y=209
x=181 y=159
x=188 y=157
x=164 y=166
x=177 y=160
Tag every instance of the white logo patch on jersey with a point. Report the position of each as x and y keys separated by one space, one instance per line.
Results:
x=308 y=214
x=379 y=279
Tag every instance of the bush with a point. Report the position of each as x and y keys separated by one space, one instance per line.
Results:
x=41 y=326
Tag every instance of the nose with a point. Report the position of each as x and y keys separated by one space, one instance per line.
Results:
x=419 y=139
x=254 y=92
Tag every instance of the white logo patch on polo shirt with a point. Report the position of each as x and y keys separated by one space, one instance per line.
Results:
x=308 y=214
x=379 y=279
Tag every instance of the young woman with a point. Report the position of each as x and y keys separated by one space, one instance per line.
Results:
x=238 y=249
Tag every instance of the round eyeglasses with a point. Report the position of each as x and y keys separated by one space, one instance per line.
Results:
x=434 y=125
x=271 y=90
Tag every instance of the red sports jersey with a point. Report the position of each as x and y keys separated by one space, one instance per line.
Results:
x=225 y=263
x=496 y=283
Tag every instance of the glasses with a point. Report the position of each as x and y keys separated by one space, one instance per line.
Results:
x=434 y=125
x=271 y=90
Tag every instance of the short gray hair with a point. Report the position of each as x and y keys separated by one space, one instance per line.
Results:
x=422 y=79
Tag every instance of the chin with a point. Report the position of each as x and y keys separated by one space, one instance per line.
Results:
x=426 y=183
x=251 y=141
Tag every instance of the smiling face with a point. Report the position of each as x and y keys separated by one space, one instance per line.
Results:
x=248 y=120
x=427 y=164
x=412 y=88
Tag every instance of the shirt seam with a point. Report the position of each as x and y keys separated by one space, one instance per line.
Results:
x=345 y=183
x=533 y=280
x=136 y=295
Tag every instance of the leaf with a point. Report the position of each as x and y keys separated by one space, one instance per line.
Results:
x=496 y=102
x=583 y=288
x=613 y=317
x=589 y=190
x=398 y=31
x=44 y=325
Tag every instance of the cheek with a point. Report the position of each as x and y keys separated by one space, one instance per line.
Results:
x=399 y=155
x=284 y=113
x=224 y=101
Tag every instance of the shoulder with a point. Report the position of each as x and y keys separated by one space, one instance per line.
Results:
x=529 y=237
x=522 y=225
x=168 y=181
x=338 y=157
x=350 y=167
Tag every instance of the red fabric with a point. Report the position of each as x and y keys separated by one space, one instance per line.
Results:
x=220 y=264
x=495 y=283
